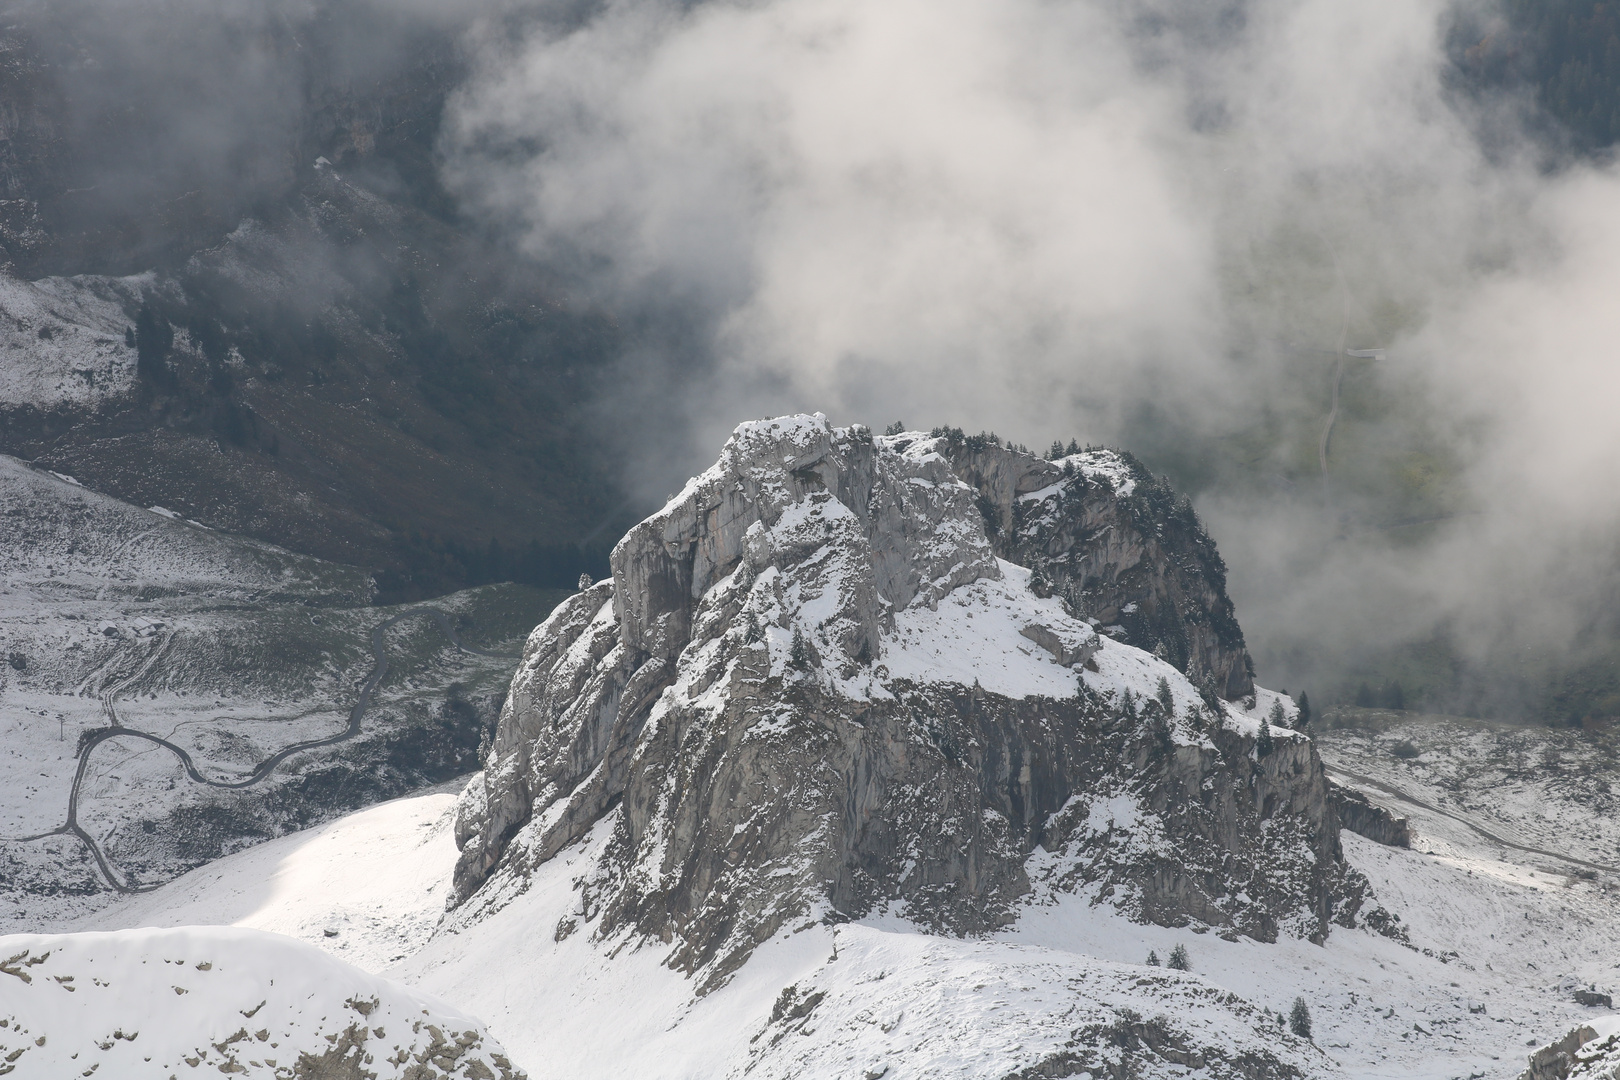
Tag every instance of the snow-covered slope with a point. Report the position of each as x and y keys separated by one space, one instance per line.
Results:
x=876 y=998
x=578 y=1009
x=368 y=887
x=819 y=787
x=159 y=1003
x=120 y=626
x=62 y=340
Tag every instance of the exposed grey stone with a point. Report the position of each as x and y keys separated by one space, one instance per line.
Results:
x=725 y=706
x=1066 y=648
x=1360 y=815
x=1118 y=544
x=1557 y=1060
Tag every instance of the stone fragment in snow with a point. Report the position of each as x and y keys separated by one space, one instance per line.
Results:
x=1067 y=648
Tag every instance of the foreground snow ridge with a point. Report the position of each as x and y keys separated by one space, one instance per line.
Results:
x=161 y=1003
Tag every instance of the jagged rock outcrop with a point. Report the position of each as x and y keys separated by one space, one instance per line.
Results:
x=811 y=690
x=1576 y=1054
x=1118 y=544
x=1361 y=815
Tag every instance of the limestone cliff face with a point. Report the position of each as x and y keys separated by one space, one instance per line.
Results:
x=1119 y=545
x=811 y=691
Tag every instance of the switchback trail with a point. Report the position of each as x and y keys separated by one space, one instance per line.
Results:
x=1397 y=793
x=92 y=739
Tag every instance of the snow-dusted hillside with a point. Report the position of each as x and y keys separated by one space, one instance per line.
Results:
x=157 y=1003
x=368 y=887
x=62 y=341
x=121 y=626
x=576 y=1009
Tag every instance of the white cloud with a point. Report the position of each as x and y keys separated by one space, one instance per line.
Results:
x=1037 y=216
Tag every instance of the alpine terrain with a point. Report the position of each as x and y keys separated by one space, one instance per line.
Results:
x=881 y=756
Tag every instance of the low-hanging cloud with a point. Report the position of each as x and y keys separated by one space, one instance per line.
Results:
x=1124 y=221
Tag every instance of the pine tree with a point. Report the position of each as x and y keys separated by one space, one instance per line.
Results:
x=1395 y=698
x=1264 y=744
x=1055 y=452
x=1364 y=697
x=1073 y=448
x=799 y=653
x=1153 y=958
x=1299 y=1019
x=1277 y=716
x=1304 y=710
x=896 y=428
x=1167 y=700
x=1127 y=705
x=1179 y=960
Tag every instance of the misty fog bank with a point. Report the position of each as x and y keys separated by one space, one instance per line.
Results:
x=1137 y=223
x=1148 y=224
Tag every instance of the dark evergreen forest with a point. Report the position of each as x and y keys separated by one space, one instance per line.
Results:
x=1564 y=55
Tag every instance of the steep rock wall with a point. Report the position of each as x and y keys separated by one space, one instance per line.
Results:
x=1118 y=544
x=812 y=691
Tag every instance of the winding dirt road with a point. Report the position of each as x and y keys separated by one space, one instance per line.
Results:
x=115 y=730
x=1398 y=794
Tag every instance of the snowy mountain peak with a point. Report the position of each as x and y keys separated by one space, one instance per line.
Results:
x=813 y=691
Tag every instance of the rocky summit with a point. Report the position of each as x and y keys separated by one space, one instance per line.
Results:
x=842 y=673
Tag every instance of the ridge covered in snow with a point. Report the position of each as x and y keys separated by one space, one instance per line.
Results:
x=152 y=1003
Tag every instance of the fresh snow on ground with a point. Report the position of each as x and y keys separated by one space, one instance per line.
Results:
x=369 y=887
x=974 y=635
x=1496 y=947
x=873 y=998
x=157 y=1003
x=229 y=648
x=62 y=340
